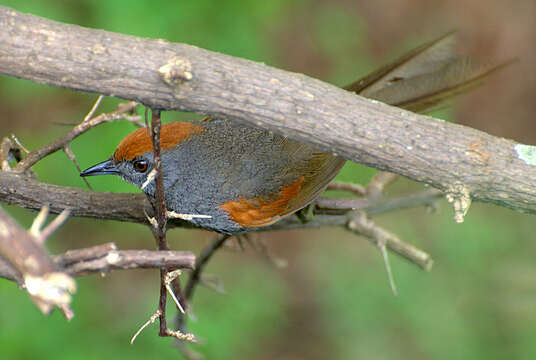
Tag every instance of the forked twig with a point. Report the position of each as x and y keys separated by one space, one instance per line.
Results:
x=359 y=223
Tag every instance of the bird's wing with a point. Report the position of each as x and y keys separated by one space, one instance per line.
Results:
x=425 y=77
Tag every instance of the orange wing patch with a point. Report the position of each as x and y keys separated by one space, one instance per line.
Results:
x=259 y=212
x=139 y=142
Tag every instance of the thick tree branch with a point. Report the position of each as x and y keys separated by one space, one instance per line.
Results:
x=22 y=191
x=464 y=163
x=31 y=194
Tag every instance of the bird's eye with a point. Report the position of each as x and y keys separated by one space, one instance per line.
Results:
x=140 y=166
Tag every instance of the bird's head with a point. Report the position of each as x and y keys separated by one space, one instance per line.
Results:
x=133 y=158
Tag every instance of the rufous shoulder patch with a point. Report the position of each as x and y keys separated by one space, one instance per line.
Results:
x=139 y=142
x=259 y=212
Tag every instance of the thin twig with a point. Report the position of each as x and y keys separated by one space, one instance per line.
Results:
x=259 y=245
x=200 y=264
x=132 y=259
x=196 y=277
x=390 y=277
x=19 y=144
x=353 y=188
x=359 y=223
x=171 y=276
x=60 y=143
x=93 y=108
x=159 y=231
x=53 y=226
x=427 y=197
x=151 y=320
x=40 y=235
x=72 y=157
x=379 y=182
x=39 y=221
x=104 y=258
x=341 y=203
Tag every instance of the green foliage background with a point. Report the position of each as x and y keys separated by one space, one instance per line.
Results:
x=333 y=300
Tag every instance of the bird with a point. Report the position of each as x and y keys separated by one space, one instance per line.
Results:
x=239 y=178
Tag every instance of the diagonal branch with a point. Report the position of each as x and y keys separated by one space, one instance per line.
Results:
x=466 y=164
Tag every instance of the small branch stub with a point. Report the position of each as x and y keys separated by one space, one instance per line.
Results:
x=460 y=198
x=52 y=289
x=177 y=71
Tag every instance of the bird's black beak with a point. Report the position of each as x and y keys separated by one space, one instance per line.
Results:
x=104 y=168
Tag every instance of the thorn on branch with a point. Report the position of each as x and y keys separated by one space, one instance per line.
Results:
x=170 y=277
x=179 y=335
x=365 y=226
x=19 y=145
x=188 y=217
x=93 y=108
x=152 y=220
x=383 y=250
x=151 y=320
x=171 y=333
x=150 y=177
x=360 y=224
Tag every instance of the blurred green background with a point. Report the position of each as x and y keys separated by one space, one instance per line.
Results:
x=333 y=299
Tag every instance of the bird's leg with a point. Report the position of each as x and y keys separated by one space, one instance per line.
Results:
x=306 y=214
